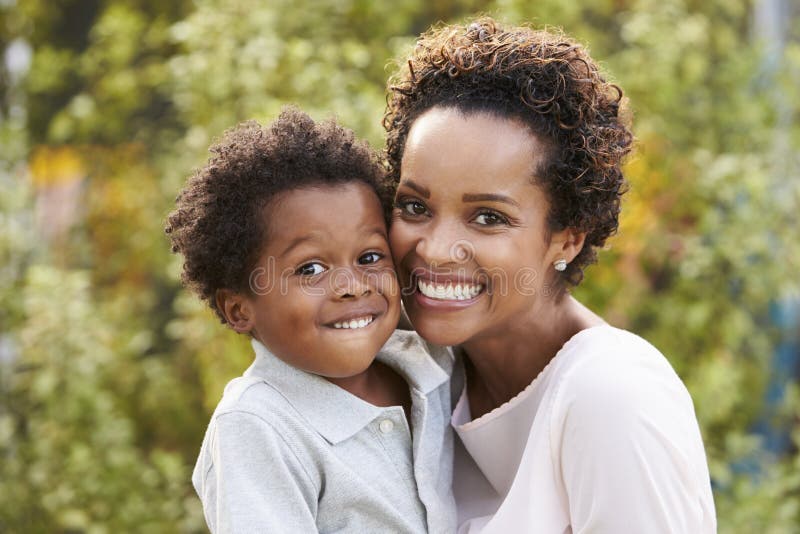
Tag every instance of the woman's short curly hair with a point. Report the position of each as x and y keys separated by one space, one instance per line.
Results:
x=219 y=225
x=546 y=81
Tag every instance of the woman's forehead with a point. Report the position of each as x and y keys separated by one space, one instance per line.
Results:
x=474 y=150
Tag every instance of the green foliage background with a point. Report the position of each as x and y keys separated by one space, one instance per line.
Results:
x=109 y=370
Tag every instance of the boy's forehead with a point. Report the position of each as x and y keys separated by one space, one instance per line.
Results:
x=326 y=215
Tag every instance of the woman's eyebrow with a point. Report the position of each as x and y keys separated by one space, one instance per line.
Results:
x=479 y=197
x=422 y=190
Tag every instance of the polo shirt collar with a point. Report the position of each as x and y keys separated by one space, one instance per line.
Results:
x=333 y=412
x=410 y=355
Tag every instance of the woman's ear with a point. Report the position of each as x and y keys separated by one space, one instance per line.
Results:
x=237 y=310
x=566 y=244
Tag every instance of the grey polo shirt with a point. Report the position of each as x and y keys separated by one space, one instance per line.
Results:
x=287 y=451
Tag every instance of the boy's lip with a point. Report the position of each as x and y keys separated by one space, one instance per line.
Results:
x=355 y=314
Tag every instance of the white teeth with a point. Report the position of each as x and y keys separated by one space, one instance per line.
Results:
x=359 y=322
x=449 y=291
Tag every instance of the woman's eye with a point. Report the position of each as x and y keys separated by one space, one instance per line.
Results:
x=369 y=258
x=489 y=218
x=310 y=269
x=413 y=207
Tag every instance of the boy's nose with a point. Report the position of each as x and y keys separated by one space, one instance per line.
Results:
x=348 y=283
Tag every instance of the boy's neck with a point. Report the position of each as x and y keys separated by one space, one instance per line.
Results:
x=379 y=385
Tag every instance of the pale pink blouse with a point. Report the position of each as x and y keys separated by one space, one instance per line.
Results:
x=605 y=441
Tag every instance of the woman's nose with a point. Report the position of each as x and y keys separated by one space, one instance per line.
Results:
x=445 y=244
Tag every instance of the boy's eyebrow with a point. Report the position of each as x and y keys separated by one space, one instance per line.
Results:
x=380 y=230
x=294 y=243
x=422 y=190
x=478 y=197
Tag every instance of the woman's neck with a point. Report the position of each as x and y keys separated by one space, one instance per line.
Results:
x=500 y=365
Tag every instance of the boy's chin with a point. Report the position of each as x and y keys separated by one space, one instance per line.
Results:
x=342 y=374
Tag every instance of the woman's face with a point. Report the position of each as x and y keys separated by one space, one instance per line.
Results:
x=469 y=233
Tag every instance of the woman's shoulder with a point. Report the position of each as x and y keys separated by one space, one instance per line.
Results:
x=604 y=337
x=623 y=430
x=612 y=354
x=613 y=371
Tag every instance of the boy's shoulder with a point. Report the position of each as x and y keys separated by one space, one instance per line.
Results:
x=254 y=395
x=254 y=425
x=251 y=404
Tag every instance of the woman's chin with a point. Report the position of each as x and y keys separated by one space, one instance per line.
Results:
x=438 y=331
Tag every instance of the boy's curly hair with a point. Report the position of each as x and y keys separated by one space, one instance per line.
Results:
x=219 y=225
x=548 y=82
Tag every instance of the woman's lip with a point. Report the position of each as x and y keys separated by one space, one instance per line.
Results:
x=441 y=304
x=442 y=278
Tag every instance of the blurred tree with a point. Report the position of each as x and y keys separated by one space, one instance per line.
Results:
x=99 y=69
x=99 y=416
x=72 y=461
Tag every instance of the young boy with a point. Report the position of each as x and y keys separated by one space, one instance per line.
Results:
x=332 y=428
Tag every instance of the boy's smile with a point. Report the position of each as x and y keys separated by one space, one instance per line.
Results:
x=325 y=298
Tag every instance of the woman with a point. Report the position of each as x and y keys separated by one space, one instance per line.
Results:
x=506 y=148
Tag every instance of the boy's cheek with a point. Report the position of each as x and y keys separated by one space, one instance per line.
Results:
x=388 y=283
x=267 y=278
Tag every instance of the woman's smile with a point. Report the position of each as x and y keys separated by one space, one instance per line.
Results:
x=444 y=289
x=453 y=292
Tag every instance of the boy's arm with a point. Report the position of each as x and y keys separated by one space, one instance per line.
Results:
x=255 y=483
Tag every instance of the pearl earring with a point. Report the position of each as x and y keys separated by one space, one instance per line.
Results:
x=560 y=265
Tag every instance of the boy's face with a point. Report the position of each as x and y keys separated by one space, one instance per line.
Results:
x=326 y=297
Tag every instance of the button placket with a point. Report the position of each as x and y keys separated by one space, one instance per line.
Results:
x=393 y=430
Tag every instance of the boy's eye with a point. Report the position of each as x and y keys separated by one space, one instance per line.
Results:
x=490 y=218
x=370 y=258
x=412 y=207
x=310 y=269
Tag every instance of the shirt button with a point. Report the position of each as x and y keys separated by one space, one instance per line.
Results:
x=386 y=426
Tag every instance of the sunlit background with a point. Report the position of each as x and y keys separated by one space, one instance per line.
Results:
x=109 y=369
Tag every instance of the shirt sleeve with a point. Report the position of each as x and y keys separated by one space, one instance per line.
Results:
x=632 y=458
x=253 y=482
